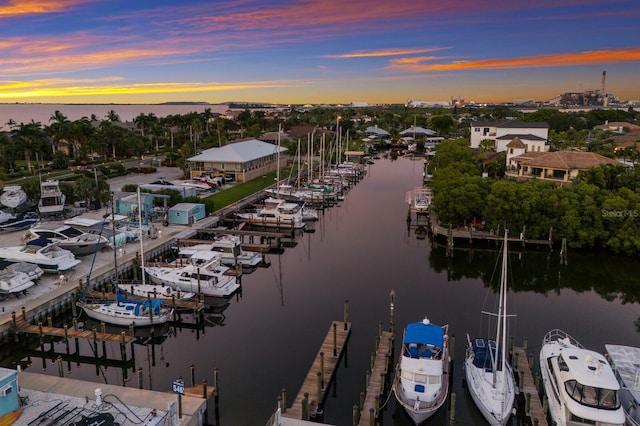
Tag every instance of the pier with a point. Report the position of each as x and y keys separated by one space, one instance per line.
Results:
x=522 y=366
x=377 y=378
x=310 y=399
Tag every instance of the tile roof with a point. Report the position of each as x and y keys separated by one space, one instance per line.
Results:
x=565 y=160
x=528 y=137
x=238 y=152
x=516 y=143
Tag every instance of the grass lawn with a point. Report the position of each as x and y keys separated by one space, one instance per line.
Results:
x=237 y=192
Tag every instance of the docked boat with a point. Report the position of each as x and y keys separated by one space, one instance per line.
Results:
x=421 y=382
x=13 y=196
x=13 y=282
x=625 y=361
x=34 y=272
x=154 y=291
x=52 y=199
x=126 y=312
x=78 y=242
x=580 y=384
x=420 y=199
x=230 y=250
x=203 y=274
x=19 y=223
x=275 y=213
x=488 y=375
x=43 y=253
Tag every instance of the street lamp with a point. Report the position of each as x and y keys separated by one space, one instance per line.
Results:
x=338 y=139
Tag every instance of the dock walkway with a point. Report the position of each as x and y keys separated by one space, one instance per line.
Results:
x=377 y=381
x=321 y=373
x=528 y=386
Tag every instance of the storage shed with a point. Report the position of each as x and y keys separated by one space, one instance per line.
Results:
x=186 y=213
x=129 y=204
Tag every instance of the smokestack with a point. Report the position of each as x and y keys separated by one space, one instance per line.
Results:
x=604 y=76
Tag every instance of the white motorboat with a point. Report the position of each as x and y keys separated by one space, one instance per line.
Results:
x=580 y=384
x=34 y=272
x=78 y=242
x=52 y=199
x=43 y=253
x=14 y=282
x=125 y=312
x=13 y=196
x=421 y=382
x=6 y=217
x=154 y=291
x=230 y=250
x=275 y=213
x=192 y=183
x=488 y=375
x=203 y=274
x=625 y=361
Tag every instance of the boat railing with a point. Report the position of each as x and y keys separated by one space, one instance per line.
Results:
x=557 y=335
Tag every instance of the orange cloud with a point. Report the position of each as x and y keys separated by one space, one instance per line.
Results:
x=383 y=53
x=13 y=8
x=540 y=61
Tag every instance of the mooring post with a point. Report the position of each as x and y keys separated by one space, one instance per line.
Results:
x=192 y=369
x=346 y=313
x=284 y=400
x=140 y=378
x=452 y=414
x=335 y=339
x=321 y=369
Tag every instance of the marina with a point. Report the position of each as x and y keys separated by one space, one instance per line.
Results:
x=290 y=302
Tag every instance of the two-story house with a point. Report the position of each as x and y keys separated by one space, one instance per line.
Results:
x=533 y=135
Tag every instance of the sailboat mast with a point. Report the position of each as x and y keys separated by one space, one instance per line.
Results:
x=501 y=338
x=141 y=243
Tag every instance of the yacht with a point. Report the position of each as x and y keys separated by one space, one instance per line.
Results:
x=126 y=312
x=202 y=274
x=580 y=384
x=33 y=271
x=275 y=213
x=230 y=249
x=43 y=253
x=625 y=361
x=13 y=196
x=421 y=382
x=52 y=199
x=78 y=242
x=154 y=291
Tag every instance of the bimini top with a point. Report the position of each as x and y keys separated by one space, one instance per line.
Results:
x=484 y=351
x=424 y=333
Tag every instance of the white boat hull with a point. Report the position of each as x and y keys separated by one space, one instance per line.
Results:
x=121 y=314
x=14 y=282
x=213 y=286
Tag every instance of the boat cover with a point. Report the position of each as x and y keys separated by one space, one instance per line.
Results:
x=139 y=304
x=424 y=334
x=40 y=242
x=484 y=351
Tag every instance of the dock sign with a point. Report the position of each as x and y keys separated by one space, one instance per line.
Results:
x=178 y=387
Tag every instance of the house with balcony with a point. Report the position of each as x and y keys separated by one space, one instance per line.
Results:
x=558 y=166
x=535 y=135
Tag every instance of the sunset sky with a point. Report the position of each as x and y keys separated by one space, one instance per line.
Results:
x=315 y=51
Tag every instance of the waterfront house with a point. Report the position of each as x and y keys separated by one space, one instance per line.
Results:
x=243 y=160
x=535 y=135
x=374 y=132
x=559 y=166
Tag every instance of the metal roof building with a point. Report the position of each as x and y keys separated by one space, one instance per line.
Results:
x=245 y=160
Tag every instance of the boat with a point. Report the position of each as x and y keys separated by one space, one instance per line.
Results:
x=34 y=272
x=154 y=291
x=126 y=312
x=14 y=282
x=421 y=382
x=52 y=199
x=192 y=183
x=625 y=361
x=6 y=217
x=488 y=374
x=230 y=249
x=420 y=199
x=78 y=242
x=19 y=223
x=202 y=274
x=42 y=252
x=275 y=213
x=13 y=196
x=580 y=384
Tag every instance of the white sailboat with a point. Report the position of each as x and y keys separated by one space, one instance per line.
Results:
x=488 y=375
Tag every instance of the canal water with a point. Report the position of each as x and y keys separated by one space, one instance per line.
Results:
x=266 y=338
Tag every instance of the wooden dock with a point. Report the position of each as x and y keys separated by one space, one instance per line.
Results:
x=528 y=385
x=23 y=326
x=377 y=381
x=321 y=373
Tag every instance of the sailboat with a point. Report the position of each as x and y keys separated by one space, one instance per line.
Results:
x=488 y=375
x=125 y=311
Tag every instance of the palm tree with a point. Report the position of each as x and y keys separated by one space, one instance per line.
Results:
x=112 y=116
x=30 y=138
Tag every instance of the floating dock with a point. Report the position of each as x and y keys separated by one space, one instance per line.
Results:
x=523 y=367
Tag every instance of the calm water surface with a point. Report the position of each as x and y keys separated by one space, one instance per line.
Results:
x=360 y=252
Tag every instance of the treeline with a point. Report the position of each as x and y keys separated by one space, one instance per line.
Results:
x=600 y=210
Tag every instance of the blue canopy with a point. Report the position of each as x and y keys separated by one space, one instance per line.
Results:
x=484 y=351
x=40 y=242
x=424 y=334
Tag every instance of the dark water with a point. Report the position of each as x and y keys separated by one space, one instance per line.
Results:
x=360 y=252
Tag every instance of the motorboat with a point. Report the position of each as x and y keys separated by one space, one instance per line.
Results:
x=52 y=199
x=13 y=196
x=488 y=374
x=126 y=312
x=580 y=384
x=275 y=213
x=78 y=242
x=421 y=382
x=230 y=250
x=6 y=217
x=625 y=361
x=42 y=252
x=420 y=199
x=154 y=291
x=192 y=183
x=33 y=271
x=202 y=274
x=14 y=282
